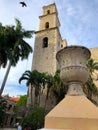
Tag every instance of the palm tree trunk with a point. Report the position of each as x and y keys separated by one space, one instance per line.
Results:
x=39 y=95
x=45 y=105
x=5 y=78
x=46 y=98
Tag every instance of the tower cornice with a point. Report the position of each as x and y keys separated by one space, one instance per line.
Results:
x=47 y=15
x=51 y=14
x=44 y=30
x=51 y=5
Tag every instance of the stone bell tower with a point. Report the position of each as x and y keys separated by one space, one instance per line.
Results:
x=47 y=41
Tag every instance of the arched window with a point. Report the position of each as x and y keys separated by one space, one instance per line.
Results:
x=61 y=45
x=48 y=11
x=47 y=25
x=45 y=42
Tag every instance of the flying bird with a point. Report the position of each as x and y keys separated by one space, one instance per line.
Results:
x=23 y=4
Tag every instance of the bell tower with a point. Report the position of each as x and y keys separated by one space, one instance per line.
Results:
x=47 y=41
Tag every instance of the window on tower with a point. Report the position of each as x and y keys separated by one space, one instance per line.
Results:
x=61 y=45
x=47 y=25
x=45 y=42
x=48 y=11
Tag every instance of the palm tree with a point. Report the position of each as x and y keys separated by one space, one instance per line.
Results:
x=89 y=87
x=36 y=80
x=17 y=47
x=3 y=55
x=48 y=82
x=59 y=89
x=92 y=66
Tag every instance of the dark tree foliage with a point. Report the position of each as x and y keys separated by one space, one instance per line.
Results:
x=34 y=120
x=59 y=89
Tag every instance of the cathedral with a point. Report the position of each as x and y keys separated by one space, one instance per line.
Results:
x=48 y=41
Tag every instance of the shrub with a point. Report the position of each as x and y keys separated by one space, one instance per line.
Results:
x=34 y=120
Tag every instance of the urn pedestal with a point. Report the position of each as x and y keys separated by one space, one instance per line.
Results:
x=75 y=111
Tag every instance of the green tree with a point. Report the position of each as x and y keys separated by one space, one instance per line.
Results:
x=22 y=100
x=3 y=54
x=36 y=80
x=20 y=108
x=92 y=66
x=59 y=89
x=34 y=120
x=48 y=83
x=15 y=46
x=90 y=87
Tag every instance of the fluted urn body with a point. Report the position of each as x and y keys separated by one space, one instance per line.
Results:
x=72 y=61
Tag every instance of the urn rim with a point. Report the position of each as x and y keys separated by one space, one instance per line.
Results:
x=73 y=47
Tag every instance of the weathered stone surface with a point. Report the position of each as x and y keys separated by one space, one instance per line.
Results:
x=72 y=60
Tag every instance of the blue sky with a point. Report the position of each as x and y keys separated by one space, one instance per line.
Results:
x=79 y=26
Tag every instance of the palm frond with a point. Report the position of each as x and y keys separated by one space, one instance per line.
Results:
x=22 y=78
x=18 y=25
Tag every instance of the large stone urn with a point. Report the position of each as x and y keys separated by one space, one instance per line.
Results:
x=75 y=111
x=74 y=72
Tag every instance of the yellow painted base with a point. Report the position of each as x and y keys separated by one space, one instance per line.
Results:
x=73 y=113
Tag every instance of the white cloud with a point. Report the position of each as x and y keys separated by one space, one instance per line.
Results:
x=70 y=10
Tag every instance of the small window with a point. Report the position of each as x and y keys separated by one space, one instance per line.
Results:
x=48 y=11
x=61 y=46
x=47 y=25
x=45 y=42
